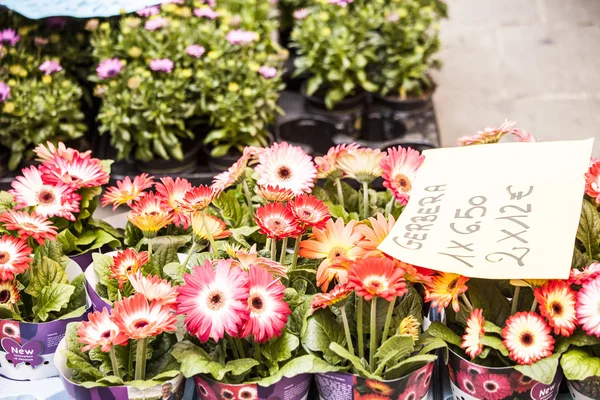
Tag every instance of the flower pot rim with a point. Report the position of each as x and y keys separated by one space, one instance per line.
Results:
x=378 y=380
x=347 y=103
x=453 y=353
x=207 y=377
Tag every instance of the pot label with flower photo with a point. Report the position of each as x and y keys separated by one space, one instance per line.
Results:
x=483 y=211
x=475 y=382
x=343 y=386
x=294 y=388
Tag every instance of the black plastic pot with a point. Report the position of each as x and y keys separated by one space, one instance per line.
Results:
x=396 y=103
x=192 y=149
x=314 y=133
x=4 y=156
x=347 y=114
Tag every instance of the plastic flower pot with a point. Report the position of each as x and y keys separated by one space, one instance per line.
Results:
x=344 y=386
x=470 y=381
x=294 y=388
x=396 y=103
x=174 y=387
x=92 y=279
x=85 y=259
x=314 y=133
x=192 y=149
x=27 y=349
x=588 y=389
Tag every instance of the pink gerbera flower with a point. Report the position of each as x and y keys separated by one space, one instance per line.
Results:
x=214 y=300
x=15 y=257
x=276 y=221
x=29 y=225
x=58 y=200
x=50 y=67
x=162 y=65
x=588 y=307
x=473 y=334
x=237 y=171
x=126 y=191
x=154 y=288
x=400 y=167
x=267 y=72
x=527 y=337
x=580 y=277
x=309 y=211
x=136 y=319
x=172 y=193
x=109 y=68
x=4 y=91
x=592 y=181
x=268 y=312
x=286 y=166
x=48 y=151
x=493 y=386
x=375 y=234
x=488 y=135
x=522 y=136
x=274 y=193
x=79 y=172
x=466 y=383
x=99 y=331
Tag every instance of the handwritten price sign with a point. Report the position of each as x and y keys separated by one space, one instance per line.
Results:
x=501 y=211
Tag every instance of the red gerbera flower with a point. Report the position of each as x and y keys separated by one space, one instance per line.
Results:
x=47 y=152
x=29 y=225
x=579 y=277
x=527 y=337
x=323 y=300
x=276 y=221
x=557 y=305
x=473 y=334
x=377 y=277
x=172 y=193
x=592 y=181
x=126 y=263
x=126 y=191
x=198 y=198
x=309 y=211
x=466 y=383
x=14 y=257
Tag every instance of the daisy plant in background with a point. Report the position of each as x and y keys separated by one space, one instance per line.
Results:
x=65 y=188
x=130 y=345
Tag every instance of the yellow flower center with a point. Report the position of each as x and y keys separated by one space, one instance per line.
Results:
x=402 y=182
x=337 y=252
x=216 y=300
x=4 y=257
x=45 y=197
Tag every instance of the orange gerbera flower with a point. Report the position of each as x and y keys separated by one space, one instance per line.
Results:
x=444 y=289
x=337 y=245
x=126 y=263
x=374 y=234
x=127 y=191
x=377 y=277
x=202 y=226
x=335 y=295
x=149 y=215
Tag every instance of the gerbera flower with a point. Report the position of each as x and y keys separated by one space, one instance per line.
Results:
x=109 y=68
x=203 y=388
x=372 y=396
x=592 y=181
x=99 y=331
x=267 y=311
x=416 y=274
x=14 y=257
x=327 y=166
x=9 y=293
x=49 y=200
x=409 y=393
x=126 y=191
x=10 y=329
x=247 y=258
x=377 y=277
x=488 y=135
x=286 y=166
x=527 y=337
x=445 y=288
x=336 y=295
x=466 y=383
x=424 y=380
x=148 y=11
x=309 y=211
x=379 y=387
x=410 y=326
x=276 y=221
x=400 y=167
x=29 y=225
x=588 y=307
x=493 y=386
x=206 y=225
x=580 y=277
x=521 y=383
x=198 y=198
x=149 y=215
x=4 y=91
x=522 y=136
x=126 y=263
x=173 y=192
x=136 y=319
x=236 y=172
x=274 y=193
x=473 y=334
x=337 y=245
x=374 y=234
x=48 y=151
x=362 y=165
x=214 y=300
x=241 y=37
x=161 y=64
x=556 y=300
x=154 y=288
x=49 y=67
x=78 y=172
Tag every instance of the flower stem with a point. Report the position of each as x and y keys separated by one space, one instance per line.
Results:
x=534 y=305
x=248 y=196
x=149 y=241
x=347 y=329
x=189 y=255
x=390 y=206
x=283 y=251
x=296 y=251
x=359 y=327
x=365 y=200
x=240 y=347
x=140 y=359
x=467 y=302
x=257 y=356
x=515 y=300
x=388 y=320
x=130 y=358
x=209 y=235
x=113 y=361
x=274 y=249
x=340 y=192
x=373 y=333
x=234 y=349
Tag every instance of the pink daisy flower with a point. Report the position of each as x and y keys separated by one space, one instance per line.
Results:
x=156 y=23
x=50 y=67
x=29 y=225
x=99 y=331
x=580 y=277
x=109 y=68
x=400 y=167
x=592 y=181
x=79 y=172
x=154 y=288
x=286 y=166
x=4 y=91
x=8 y=37
x=127 y=191
x=241 y=37
x=162 y=65
x=148 y=11
x=466 y=383
x=267 y=72
x=15 y=257
x=47 y=152
x=309 y=211
x=276 y=221
x=268 y=312
x=301 y=13
x=522 y=136
x=488 y=135
x=206 y=12
x=588 y=307
x=195 y=50
x=527 y=337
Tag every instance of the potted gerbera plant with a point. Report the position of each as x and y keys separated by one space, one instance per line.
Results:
x=65 y=187
x=124 y=353
x=41 y=291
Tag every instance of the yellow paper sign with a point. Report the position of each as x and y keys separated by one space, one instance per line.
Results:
x=500 y=211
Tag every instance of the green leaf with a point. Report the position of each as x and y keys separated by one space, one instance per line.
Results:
x=409 y=365
x=410 y=304
x=52 y=298
x=175 y=271
x=307 y=364
x=75 y=313
x=156 y=381
x=53 y=250
x=77 y=299
x=232 y=209
x=578 y=364
x=429 y=343
x=492 y=328
x=486 y=295
x=436 y=329
x=44 y=274
x=322 y=330
x=495 y=343
x=297 y=322
x=577 y=339
x=354 y=360
x=281 y=348
x=588 y=232
x=542 y=371
x=109 y=380
x=68 y=242
x=394 y=349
